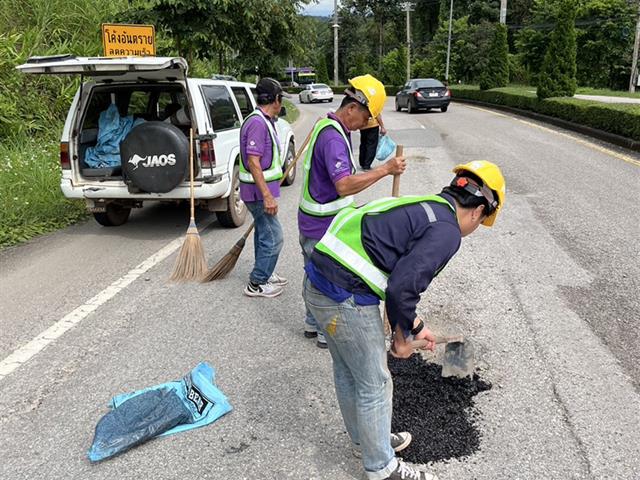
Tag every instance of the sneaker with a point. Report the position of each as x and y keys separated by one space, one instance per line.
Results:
x=321 y=342
x=310 y=331
x=399 y=441
x=409 y=471
x=277 y=280
x=265 y=290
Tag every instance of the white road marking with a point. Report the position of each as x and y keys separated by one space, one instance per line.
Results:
x=25 y=353
x=586 y=143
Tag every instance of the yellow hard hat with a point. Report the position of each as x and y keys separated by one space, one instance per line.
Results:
x=369 y=91
x=491 y=177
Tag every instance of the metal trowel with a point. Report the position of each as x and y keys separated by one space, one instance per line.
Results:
x=459 y=359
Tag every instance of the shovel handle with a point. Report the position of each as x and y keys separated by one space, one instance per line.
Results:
x=415 y=344
x=395 y=189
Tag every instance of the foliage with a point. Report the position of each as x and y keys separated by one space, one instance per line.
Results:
x=558 y=75
x=496 y=72
x=394 y=67
x=619 y=119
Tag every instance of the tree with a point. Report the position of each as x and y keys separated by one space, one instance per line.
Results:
x=496 y=72
x=321 y=69
x=394 y=66
x=558 y=76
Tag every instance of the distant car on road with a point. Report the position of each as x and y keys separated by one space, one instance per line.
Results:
x=316 y=92
x=423 y=94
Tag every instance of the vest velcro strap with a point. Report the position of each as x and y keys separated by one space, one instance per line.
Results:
x=366 y=270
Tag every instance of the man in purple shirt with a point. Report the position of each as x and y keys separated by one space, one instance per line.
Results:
x=330 y=180
x=260 y=174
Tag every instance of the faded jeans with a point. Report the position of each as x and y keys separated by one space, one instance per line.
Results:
x=267 y=241
x=364 y=388
x=307 y=245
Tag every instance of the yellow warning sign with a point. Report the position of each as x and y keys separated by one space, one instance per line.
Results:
x=120 y=40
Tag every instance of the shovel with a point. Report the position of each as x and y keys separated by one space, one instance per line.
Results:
x=458 y=355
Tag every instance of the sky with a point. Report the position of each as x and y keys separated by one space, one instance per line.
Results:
x=322 y=8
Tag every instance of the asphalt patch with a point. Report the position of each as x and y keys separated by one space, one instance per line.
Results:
x=438 y=412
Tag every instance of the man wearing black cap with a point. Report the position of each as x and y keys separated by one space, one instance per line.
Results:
x=260 y=174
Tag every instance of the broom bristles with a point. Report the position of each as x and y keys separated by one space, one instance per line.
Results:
x=191 y=263
x=226 y=263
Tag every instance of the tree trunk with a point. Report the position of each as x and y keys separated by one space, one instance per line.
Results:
x=220 y=61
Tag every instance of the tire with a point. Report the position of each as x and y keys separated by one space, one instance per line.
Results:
x=155 y=157
x=410 y=108
x=114 y=216
x=287 y=161
x=300 y=98
x=397 y=106
x=236 y=212
x=444 y=109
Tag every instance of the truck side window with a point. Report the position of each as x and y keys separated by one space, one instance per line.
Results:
x=222 y=111
x=242 y=97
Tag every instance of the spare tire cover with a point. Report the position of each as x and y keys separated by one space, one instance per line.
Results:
x=155 y=157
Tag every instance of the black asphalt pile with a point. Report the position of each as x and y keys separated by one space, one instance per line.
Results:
x=438 y=412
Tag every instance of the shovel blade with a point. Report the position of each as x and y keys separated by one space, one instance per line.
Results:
x=458 y=359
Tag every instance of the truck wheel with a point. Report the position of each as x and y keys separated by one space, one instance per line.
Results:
x=114 y=216
x=236 y=211
x=287 y=161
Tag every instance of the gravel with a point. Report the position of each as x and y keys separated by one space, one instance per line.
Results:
x=438 y=412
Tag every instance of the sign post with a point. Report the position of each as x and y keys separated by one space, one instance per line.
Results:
x=120 y=40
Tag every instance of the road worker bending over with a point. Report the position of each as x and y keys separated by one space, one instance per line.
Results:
x=389 y=249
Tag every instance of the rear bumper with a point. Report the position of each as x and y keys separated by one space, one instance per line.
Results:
x=432 y=102
x=319 y=98
x=119 y=191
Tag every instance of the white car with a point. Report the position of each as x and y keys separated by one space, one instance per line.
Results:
x=155 y=105
x=316 y=92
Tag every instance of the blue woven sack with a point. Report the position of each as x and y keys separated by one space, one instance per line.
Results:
x=386 y=148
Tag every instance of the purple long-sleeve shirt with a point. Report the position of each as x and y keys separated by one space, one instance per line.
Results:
x=330 y=162
x=405 y=243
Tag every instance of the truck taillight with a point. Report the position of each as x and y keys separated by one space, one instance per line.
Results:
x=65 y=162
x=207 y=154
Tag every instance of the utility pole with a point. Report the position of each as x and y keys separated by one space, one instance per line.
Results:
x=446 y=74
x=503 y=12
x=634 y=64
x=408 y=8
x=335 y=42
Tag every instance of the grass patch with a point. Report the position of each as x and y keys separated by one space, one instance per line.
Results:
x=606 y=92
x=292 y=111
x=31 y=202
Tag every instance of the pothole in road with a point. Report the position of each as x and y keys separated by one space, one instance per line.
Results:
x=438 y=412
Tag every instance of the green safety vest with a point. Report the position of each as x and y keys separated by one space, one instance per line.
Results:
x=343 y=240
x=308 y=204
x=274 y=172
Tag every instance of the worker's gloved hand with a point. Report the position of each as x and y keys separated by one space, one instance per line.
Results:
x=396 y=166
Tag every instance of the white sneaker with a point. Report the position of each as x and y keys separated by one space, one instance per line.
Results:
x=267 y=290
x=399 y=441
x=277 y=280
x=410 y=471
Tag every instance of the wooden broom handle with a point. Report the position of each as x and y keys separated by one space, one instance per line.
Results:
x=395 y=190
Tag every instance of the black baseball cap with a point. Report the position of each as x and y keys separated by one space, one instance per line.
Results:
x=269 y=88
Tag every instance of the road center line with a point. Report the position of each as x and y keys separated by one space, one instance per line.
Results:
x=586 y=143
x=25 y=353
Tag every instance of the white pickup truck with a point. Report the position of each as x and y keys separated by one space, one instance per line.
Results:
x=152 y=106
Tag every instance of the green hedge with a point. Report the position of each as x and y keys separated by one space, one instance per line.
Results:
x=390 y=89
x=620 y=119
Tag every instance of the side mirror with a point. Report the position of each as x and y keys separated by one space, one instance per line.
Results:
x=283 y=112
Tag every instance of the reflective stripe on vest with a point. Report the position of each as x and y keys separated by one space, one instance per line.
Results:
x=343 y=240
x=274 y=171
x=307 y=203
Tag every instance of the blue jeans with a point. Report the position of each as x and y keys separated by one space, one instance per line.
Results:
x=364 y=388
x=267 y=242
x=307 y=245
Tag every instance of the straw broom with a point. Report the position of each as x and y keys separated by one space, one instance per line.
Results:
x=228 y=262
x=395 y=192
x=191 y=263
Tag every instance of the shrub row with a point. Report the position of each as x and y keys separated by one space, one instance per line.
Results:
x=619 y=119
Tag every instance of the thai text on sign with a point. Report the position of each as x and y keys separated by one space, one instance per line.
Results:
x=121 y=40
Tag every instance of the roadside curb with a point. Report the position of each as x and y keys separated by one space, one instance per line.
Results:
x=589 y=131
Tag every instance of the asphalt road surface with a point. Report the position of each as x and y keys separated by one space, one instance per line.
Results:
x=549 y=296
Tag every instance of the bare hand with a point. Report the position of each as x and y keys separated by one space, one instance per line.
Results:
x=396 y=166
x=270 y=205
x=383 y=131
x=426 y=334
